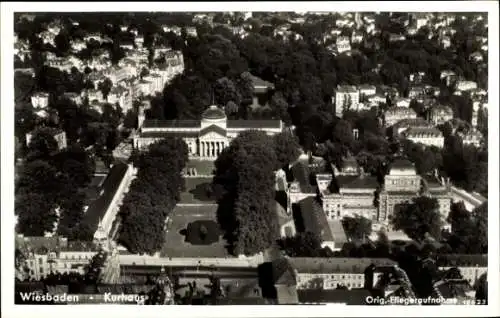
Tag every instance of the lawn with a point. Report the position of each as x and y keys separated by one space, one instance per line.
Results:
x=198 y=190
x=175 y=242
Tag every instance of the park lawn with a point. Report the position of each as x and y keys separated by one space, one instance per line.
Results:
x=196 y=191
x=175 y=244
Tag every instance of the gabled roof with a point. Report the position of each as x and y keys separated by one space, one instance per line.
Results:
x=154 y=123
x=109 y=187
x=283 y=273
x=213 y=128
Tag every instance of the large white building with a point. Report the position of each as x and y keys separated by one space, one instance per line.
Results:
x=206 y=138
x=427 y=136
x=346 y=97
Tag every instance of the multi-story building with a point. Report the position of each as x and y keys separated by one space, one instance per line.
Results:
x=405 y=124
x=416 y=92
x=426 y=136
x=343 y=44
x=45 y=255
x=120 y=95
x=206 y=138
x=156 y=82
x=94 y=95
x=395 y=114
x=472 y=137
x=40 y=100
x=449 y=76
x=74 y=97
x=402 y=184
x=352 y=193
x=440 y=114
x=465 y=85
x=366 y=90
x=331 y=273
x=346 y=97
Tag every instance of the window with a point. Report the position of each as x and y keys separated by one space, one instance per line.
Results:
x=41 y=270
x=343 y=276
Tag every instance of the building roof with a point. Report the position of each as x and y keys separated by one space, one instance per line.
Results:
x=342 y=296
x=314 y=219
x=154 y=123
x=254 y=124
x=213 y=128
x=283 y=273
x=423 y=132
x=415 y=122
x=260 y=85
x=98 y=208
x=357 y=182
x=402 y=163
x=300 y=172
x=213 y=112
x=462 y=260
x=283 y=217
x=327 y=265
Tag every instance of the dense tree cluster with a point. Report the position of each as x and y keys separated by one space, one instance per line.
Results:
x=246 y=213
x=50 y=181
x=469 y=231
x=304 y=244
x=152 y=195
x=418 y=218
x=357 y=228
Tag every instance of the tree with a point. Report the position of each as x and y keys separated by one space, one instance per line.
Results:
x=246 y=171
x=303 y=244
x=225 y=91
x=152 y=195
x=62 y=42
x=287 y=148
x=382 y=248
x=105 y=87
x=42 y=145
x=130 y=119
x=358 y=227
x=417 y=218
x=36 y=215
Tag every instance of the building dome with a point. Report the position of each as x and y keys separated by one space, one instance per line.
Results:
x=213 y=113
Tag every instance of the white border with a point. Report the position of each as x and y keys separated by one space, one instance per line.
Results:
x=7 y=125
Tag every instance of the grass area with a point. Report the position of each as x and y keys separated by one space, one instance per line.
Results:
x=198 y=190
x=175 y=244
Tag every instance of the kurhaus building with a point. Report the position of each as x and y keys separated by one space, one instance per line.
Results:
x=205 y=138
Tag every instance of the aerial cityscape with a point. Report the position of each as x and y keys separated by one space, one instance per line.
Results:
x=251 y=158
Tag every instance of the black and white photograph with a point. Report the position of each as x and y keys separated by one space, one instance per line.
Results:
x=249 y=154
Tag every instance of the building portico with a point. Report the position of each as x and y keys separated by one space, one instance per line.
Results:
x=205 y=138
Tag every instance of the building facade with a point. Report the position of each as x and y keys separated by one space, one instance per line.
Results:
x=205 y=138
x=426 y=136
x=346 y=97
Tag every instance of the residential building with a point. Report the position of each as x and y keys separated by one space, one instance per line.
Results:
x=94 y=94
x=40 y=100
x=405 y=124
x=395 y=114
x=366 y=90
x=463 y=85
x=205 y=138
x=45 y=255
x=440 y=114
x=74 y=97
x=426 y=136
x=416 y=92
x=343 y=44
x=402 y=102
x=472 y=137
x=346 y=97
x=449 y=76
x=120 y=95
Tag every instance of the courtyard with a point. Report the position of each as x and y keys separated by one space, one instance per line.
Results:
x=205 y=235
x=198 y=191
